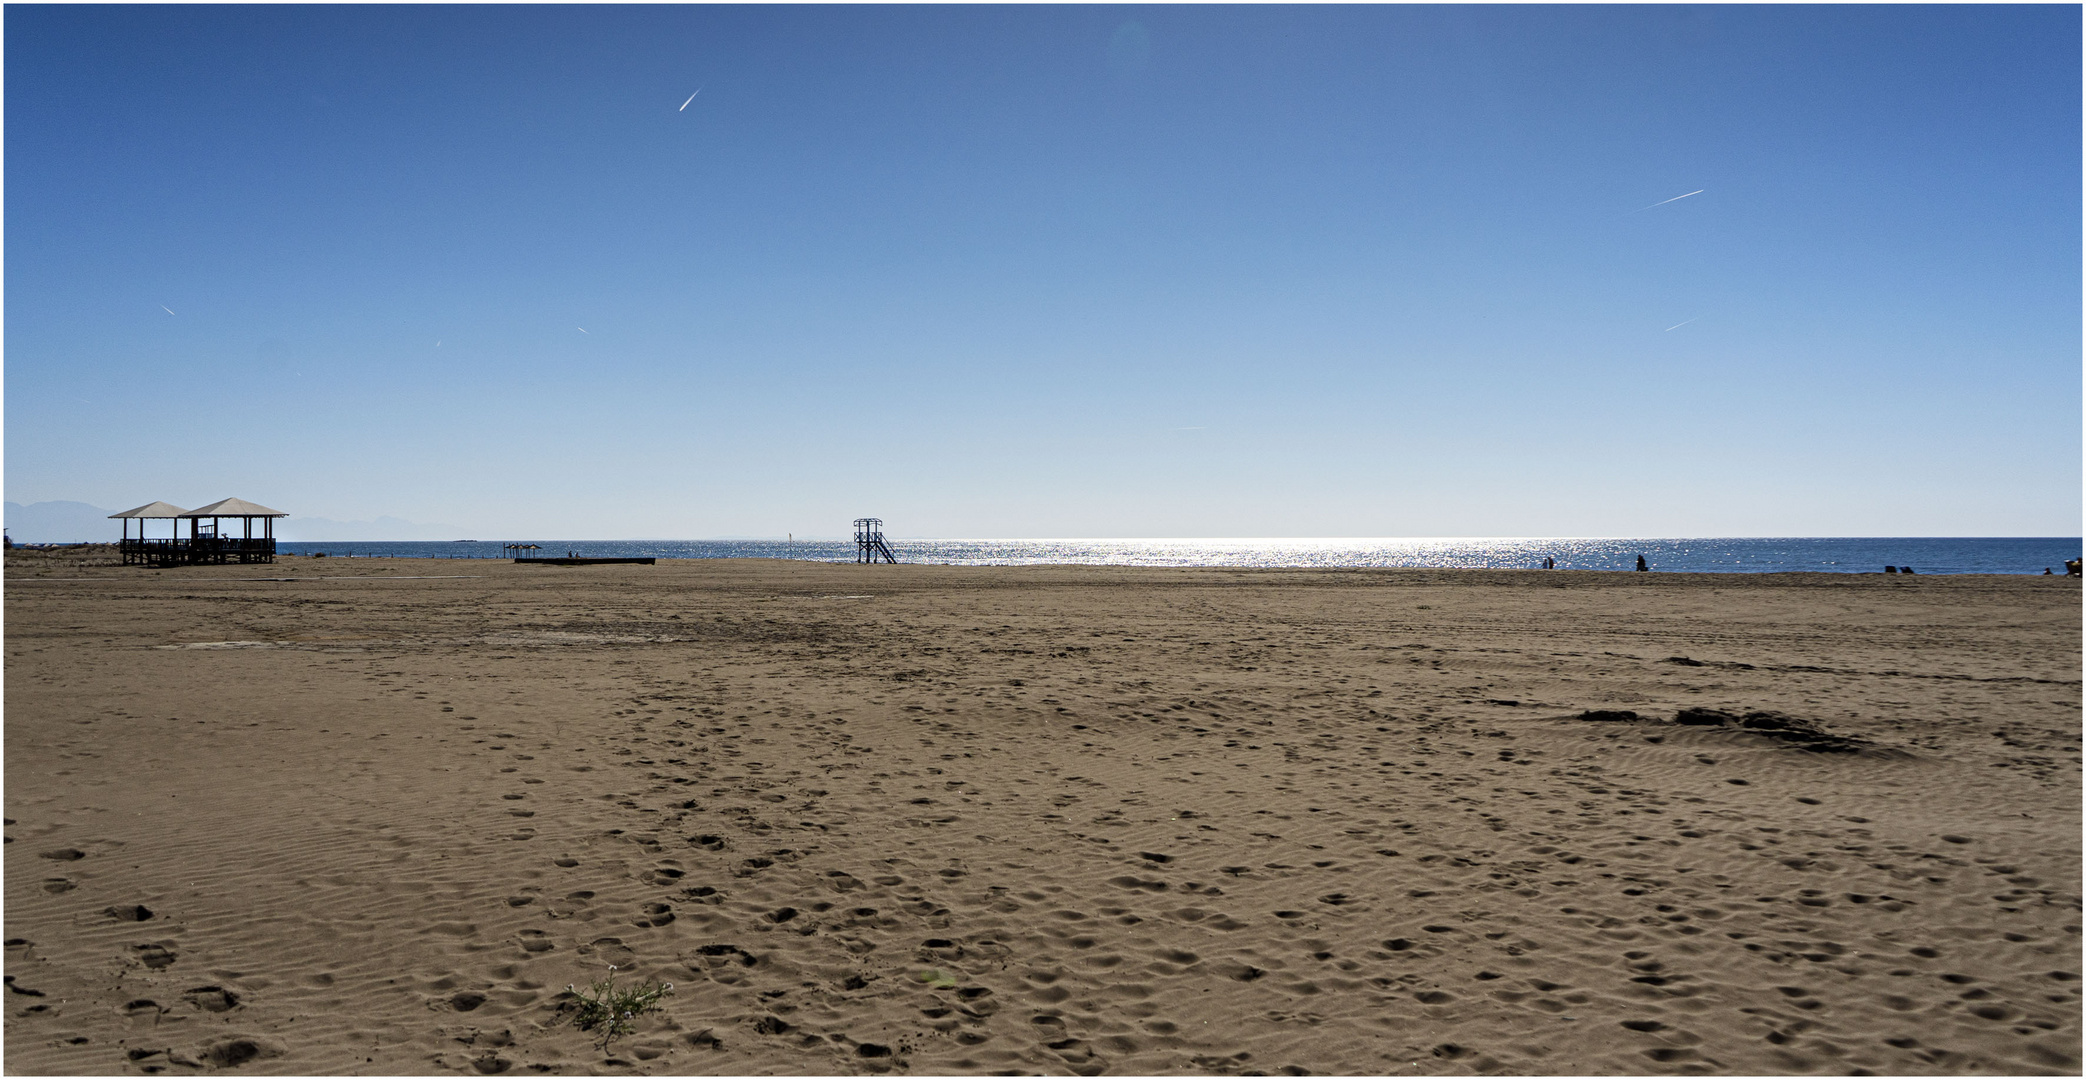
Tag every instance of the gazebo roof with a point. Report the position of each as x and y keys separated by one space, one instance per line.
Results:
x=232 y=508
x=152 y=510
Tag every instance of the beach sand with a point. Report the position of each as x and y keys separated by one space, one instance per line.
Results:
x=334 y=816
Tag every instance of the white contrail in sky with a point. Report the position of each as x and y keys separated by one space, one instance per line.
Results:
x=1678 y=325
x=166 y=309
x=582 y=330
x=1676 y=198
x=691 y=97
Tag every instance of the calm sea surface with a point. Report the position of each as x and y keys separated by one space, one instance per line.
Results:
x=1926 y=554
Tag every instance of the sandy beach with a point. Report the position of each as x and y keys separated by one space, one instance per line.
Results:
x=374 y=816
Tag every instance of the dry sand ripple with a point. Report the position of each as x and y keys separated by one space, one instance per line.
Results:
x=1065 y=820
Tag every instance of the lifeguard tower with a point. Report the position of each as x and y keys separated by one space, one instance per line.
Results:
x=869 y=541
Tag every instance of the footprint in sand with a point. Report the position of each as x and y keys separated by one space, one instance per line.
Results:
x=535 y=941
x=609 y=950
x=157 y=956
x=728 y=954
x=234 y=1052
x=215 y=999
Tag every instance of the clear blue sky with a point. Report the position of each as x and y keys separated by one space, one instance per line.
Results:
x=1052 y=271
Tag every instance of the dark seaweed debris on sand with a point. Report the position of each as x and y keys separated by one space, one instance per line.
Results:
x=1796 y=732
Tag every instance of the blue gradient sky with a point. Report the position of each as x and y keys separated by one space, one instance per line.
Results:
x=1042 y=271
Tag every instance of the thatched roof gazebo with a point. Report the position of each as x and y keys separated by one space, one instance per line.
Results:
x=204 y=543
x=210 y=544
x=141 y=549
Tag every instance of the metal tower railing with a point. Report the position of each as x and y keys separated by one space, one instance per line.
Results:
x=869 y=541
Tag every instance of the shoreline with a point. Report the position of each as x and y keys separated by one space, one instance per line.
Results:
x=24 y=558
x=1930 y=555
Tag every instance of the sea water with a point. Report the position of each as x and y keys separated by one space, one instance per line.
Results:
x=1745 y=555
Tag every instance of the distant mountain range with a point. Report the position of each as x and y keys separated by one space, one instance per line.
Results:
x=78 y=523
x=383 y=528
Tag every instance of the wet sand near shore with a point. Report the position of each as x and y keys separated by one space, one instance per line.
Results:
x=374 y=816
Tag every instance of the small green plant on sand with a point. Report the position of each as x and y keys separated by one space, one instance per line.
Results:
x=611 y=1008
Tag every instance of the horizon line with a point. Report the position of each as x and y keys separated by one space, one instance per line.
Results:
x=1441 y=538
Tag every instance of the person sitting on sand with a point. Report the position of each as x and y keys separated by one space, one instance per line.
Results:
x=1642 y=565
